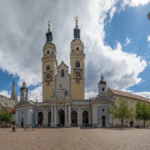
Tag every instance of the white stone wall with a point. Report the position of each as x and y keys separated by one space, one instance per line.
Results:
x=63 y=84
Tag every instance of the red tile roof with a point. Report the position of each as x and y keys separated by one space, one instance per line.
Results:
x=10 y=111
x=129 y=95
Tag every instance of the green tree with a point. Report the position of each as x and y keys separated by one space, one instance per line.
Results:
x=143 y=112
x=5 y=116
x=121 y=111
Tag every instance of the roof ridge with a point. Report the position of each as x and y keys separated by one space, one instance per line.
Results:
x=130 y=94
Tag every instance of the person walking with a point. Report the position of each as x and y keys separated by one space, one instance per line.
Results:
x=13 y=127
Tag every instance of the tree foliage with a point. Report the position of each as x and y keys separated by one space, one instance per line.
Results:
x=143 y=112
x=121 y=111
x=5 y=116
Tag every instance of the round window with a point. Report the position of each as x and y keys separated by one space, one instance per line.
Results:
x=78 y=74
x=48 y=76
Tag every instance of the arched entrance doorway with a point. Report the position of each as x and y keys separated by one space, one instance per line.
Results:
x=103 y=121
x=74 y=119
x=22 y=123
x=131 y=123
x=49 y=119
x=40 y=119
x=61 y=118
x=85 y=118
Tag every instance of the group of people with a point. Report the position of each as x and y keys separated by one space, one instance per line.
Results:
x=26 y=127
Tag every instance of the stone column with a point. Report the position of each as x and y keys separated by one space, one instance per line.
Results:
x=89 y=117
x=16 y=118
x=93 y=117
x=44 y=117
x=55 y=117
x=52 y=116
x=79 y=115
x=66 y=116
x=69 y=116
x=36 y=118
x=29 y=116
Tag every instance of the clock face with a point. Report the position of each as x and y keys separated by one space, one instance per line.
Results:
x=78 y=74
x=48 y=76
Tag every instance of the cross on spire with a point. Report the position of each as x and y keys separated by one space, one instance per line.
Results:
x=48 y=25
x=76 y=29
x=49 y=36
x=76 y=19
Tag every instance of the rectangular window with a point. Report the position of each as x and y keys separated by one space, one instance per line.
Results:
x=62 y=73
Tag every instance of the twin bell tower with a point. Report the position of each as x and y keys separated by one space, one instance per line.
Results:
x=57 y=83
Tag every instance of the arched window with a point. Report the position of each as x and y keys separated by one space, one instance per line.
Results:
x=77 y=64
x=62 y=73
x=47 y=52
x=48 y=67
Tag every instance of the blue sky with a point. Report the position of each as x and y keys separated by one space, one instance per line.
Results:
x=114 y=33
x=134 y=24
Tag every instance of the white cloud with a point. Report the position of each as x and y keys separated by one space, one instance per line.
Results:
x=144 y=94
x=90 y=94
x=127 y=41
x=135 y=3
x=22 y=39
x=5 y=93
x=36 y=94
x=148 y=38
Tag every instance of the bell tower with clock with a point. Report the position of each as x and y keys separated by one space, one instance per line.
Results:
x=49 y=66
x=77 y=57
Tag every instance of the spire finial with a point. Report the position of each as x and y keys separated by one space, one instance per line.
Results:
x=48 y=25
x=14 y=93
x=102 y=77
x=76 y=19
x=49 y=36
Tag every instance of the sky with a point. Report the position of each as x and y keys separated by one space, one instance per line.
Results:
x=115 y=33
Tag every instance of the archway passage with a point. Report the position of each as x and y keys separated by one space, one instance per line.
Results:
x=103 y=121
x=40 y=119
x=61 y=116
x=49 y=119
x=74 y=119
x=131 y=123
x=22 y=123
x=85 y=118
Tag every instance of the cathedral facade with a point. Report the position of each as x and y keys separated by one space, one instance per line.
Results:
x=63 y=103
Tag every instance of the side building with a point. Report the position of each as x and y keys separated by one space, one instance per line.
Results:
x=9 y=103
x=132 y=99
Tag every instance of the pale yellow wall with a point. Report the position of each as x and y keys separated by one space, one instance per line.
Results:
x=48 y=86
x=77 y=87
x=78 y=90
x=131 y=102
x=132 y=105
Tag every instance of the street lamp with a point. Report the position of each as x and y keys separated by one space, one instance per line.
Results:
x=148 y=16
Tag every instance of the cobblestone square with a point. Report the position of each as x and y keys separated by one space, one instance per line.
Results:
x=75 y=139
